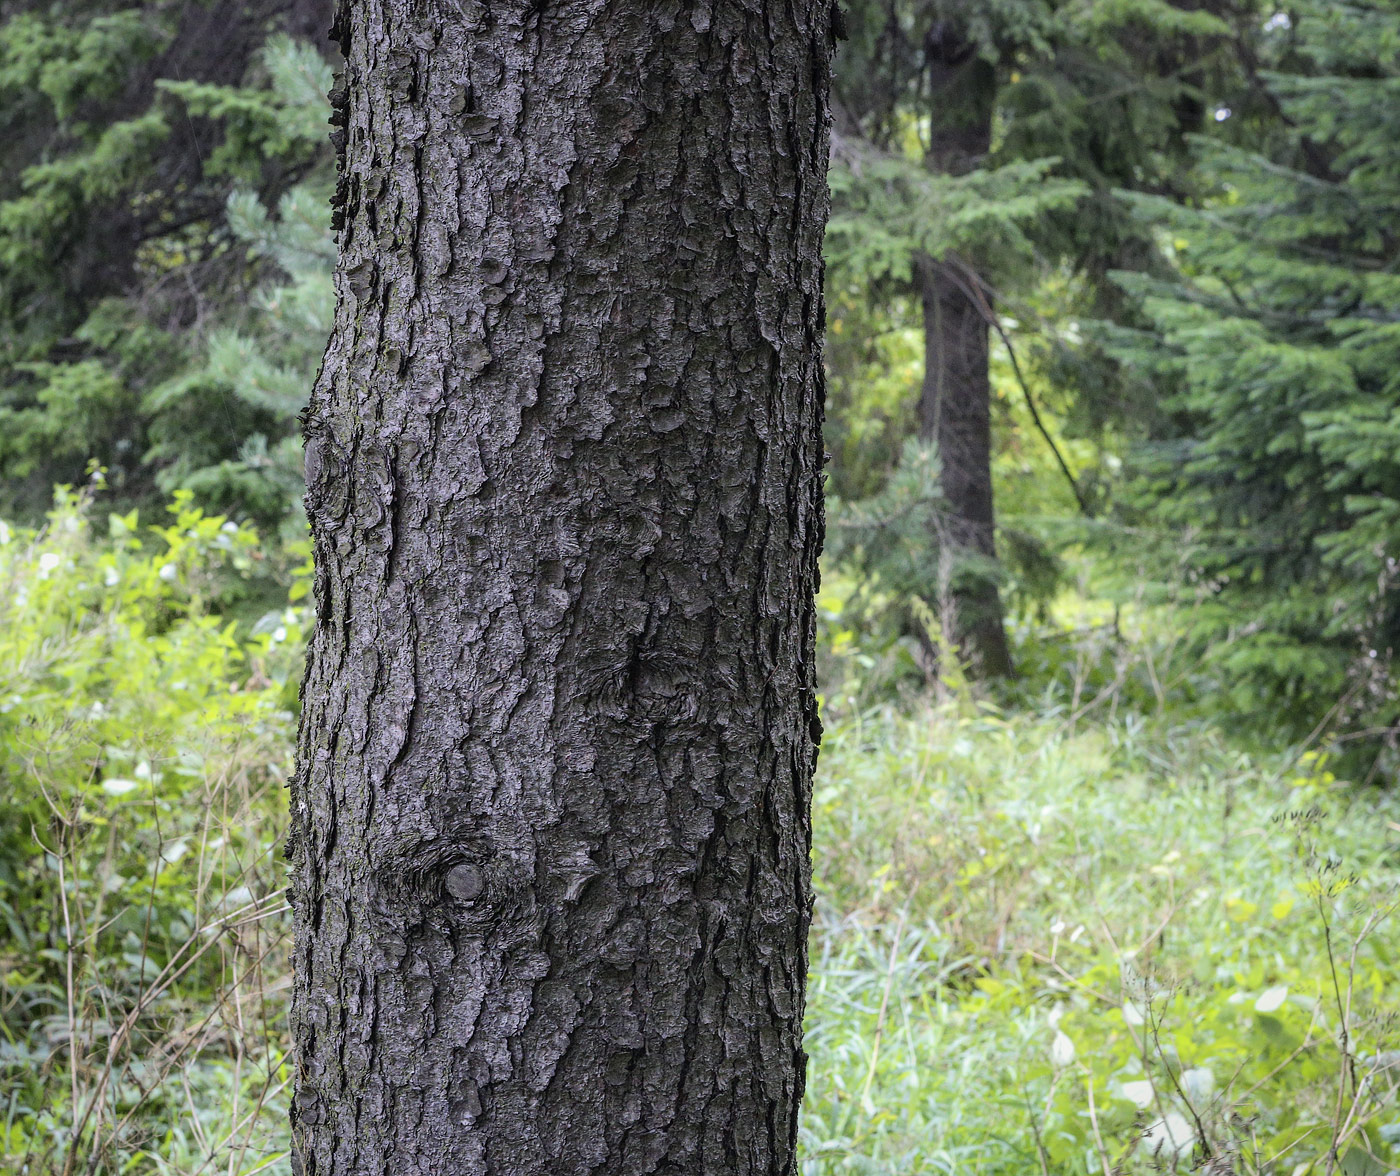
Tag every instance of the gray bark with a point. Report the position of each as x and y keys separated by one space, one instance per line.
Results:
x=551 y=812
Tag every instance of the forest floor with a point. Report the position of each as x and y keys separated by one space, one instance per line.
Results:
x=1114 y=946
x=1074 y=936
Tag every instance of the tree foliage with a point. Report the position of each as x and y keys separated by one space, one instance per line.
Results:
x=1272 y=349
x=139 y=144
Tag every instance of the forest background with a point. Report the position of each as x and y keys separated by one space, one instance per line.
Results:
x=1107 y=827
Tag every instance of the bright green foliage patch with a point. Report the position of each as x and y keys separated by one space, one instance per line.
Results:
x=143 y=748
x=1126 y=947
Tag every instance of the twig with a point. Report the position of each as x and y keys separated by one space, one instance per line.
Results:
x=1035 y=1134
x=72 y=1015
x=972 y=288
x=1094 y=1123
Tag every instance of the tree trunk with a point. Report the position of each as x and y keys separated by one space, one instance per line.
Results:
x=551 y=811
x=955 y=402
x=955 y=414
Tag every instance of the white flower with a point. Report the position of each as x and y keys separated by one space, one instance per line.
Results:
x=279 y=634
x=111 y=577
x=1061 y=1050
x=118 y=787
x=229 y=528
x=1198 y=1083
x=1138 y=1093
x=169 y=573
x=4 y=534
x=48 y=562
x=1169 y=1136
x=1271 y=999
x=1132 y=1014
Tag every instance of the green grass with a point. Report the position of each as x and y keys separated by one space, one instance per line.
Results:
x=1118 y=945
x=989 y=885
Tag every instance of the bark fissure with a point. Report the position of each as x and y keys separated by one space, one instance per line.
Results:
x=551 y=819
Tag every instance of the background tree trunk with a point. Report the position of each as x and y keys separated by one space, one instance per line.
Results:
x=551 y=813
x=955 y=413
x=955 y=402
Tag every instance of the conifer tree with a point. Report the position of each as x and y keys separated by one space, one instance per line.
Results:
x=1272 y=345
x=551 y=818
x=123 y=130
x=1025 y=117
x=922 y=94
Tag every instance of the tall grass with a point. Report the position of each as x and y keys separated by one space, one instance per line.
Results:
x=143 y=748
x=1093 y=938
x=1129 y=947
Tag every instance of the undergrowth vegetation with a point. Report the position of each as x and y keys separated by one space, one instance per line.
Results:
x=1094 y=933
x=1119 y=946
x=143 y=748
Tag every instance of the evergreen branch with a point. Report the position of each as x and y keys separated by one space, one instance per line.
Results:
x=871 y=520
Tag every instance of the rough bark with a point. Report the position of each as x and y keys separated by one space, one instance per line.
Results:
x=551 y=813
x=955 y=401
